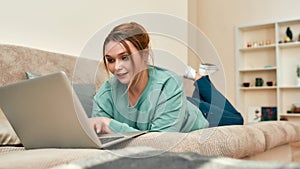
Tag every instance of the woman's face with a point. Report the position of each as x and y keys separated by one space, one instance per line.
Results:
x=120 y=64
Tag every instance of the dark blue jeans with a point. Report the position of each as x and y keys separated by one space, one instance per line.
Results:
x=214 y=106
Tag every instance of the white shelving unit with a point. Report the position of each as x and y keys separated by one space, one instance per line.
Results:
x=261 y=51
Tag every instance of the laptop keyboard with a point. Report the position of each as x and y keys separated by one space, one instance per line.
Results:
x=106 y=140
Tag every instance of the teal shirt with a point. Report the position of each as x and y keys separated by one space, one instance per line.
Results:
x=161 y=107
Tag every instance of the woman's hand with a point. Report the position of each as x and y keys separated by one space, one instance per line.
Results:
x=100 y=124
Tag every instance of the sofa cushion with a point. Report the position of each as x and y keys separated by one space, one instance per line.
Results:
x=7 y=134
x=11 y=148
x=277 y=133
x=85 y=93
x=230 y=141
x=15 y=60
x=44 y=158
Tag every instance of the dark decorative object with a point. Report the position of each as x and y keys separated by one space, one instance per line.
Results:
x=295 y=108
x=289 y=33
x=246 y=84
x=259 y=82
x=299 y=37
x=269 y=83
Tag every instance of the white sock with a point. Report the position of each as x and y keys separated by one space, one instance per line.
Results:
x=207 y=69
x=190 y=73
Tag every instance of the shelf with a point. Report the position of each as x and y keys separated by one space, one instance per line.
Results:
x=290 y=87
x=259 y=54
x=290 y=115
x=258 y=48
x=258 y=69
x=289 y=45
x=258 y=88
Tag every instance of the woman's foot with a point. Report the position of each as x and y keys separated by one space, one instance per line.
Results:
x=204 y=70
x=207 y=69
x=189 y=73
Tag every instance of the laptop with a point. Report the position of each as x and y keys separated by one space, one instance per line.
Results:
x=45 y=112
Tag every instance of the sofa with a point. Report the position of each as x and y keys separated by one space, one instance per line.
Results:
x=250 y=144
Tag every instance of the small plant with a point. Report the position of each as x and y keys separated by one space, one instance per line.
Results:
x=298 y=71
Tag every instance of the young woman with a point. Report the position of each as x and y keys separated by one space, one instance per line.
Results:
x=140 y=96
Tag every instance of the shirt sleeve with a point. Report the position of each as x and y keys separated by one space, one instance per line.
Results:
x=103 y=107
x=98 y=111
x=117 y=126
x=114 y=125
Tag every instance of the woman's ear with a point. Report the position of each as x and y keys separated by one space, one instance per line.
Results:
x=145 y=55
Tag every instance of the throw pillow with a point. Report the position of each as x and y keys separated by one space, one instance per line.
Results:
x=30 y=75
x=7 y=133
x=85 y=93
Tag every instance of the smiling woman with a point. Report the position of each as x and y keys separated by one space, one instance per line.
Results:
x=140 y=96
x=126 y=67
x=127 y=46
x=122 y=64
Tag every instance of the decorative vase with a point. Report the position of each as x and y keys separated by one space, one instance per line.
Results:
x=298 y=81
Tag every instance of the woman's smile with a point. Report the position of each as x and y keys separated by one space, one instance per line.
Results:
x=121 y=75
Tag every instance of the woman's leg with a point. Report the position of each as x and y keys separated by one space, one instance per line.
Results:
x=213 y=104
x=217 y=116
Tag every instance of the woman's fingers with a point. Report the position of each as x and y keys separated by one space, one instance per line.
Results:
x=106 y=129
x=100 y=125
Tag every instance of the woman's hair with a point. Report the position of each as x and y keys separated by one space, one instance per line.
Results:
x=133 y=33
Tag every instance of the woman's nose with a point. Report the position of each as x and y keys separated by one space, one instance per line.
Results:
x=118 y=64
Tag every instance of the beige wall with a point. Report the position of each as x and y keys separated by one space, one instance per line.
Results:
x=218 y=18
x=65 y=26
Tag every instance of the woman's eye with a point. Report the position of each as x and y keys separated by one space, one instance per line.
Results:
x=110 y=60
x=125 y=57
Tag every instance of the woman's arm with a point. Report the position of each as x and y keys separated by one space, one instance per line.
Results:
x=168 y=113
x=103 y=122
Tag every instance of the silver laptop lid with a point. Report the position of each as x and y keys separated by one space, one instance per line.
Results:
x=41 y=111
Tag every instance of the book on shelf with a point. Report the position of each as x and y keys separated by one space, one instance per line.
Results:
x=268 y=113
x=261 y=113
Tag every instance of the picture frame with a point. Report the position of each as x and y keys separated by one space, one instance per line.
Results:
x=254 y=114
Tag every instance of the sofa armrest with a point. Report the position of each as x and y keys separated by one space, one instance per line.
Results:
x=236 y=141
x=277 y=133
x=228 y=141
